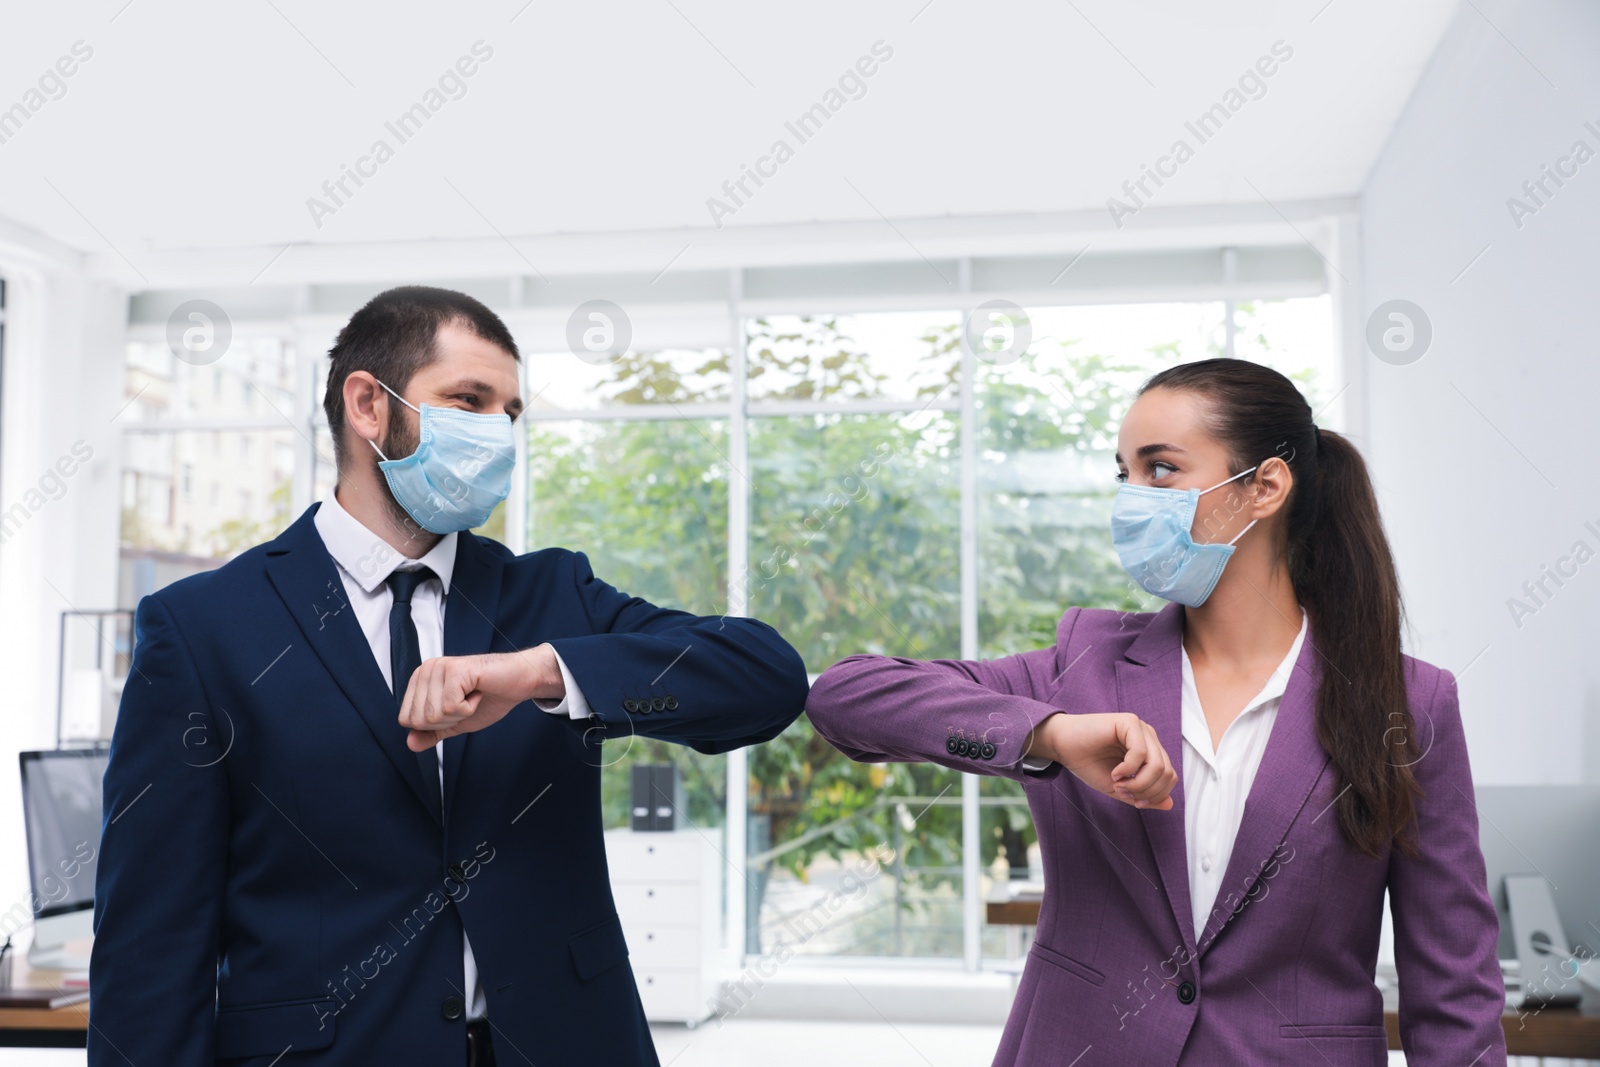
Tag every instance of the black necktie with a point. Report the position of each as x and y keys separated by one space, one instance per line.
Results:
x=405 y=654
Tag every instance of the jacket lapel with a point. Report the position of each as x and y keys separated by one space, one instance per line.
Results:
x=1290 y=766
x=308 y=581
x=469 y=629
x=1150 y=685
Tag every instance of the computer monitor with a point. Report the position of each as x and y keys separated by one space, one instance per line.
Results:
x=1551 y=832
x=61 y=810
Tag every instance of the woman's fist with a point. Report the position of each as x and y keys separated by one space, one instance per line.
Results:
x=1118 y=754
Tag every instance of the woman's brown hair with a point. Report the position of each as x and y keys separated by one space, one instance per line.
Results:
x=1344 y=576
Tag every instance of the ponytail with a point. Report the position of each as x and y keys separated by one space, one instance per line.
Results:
x=1343 y=573
x=1344 y=576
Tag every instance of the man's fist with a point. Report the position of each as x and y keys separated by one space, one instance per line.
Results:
x=1118 y=754
x=460 y=694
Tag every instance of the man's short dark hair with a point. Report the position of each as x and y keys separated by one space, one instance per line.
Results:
x=395 y=335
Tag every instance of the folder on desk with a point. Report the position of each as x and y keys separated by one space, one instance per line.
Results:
x=41 y=998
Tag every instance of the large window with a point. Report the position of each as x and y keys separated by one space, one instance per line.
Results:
x=207 y=458
x=847 y=459
x=864 y=480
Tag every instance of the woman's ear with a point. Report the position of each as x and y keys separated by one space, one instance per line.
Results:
x=1271 y=484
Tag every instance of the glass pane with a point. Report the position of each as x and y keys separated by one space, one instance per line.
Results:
x=884 y=879
x=1009 y=853
x=254 y=379
x=854 y=533
x=192 y=500
x=900 y=355
x=324 y=472
x=854 y=547
x=563 y=381
x=647 y=502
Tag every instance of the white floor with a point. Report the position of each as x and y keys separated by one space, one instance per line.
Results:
x=776 y=1043
x=788 y=1043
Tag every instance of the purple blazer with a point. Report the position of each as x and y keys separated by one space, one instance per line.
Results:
x=1283 y=971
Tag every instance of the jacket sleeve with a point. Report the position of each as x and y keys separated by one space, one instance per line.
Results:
x=1445 y=929
x=710 y=682
x=162 y=864
x=969 y=715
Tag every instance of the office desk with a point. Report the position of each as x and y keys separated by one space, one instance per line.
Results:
x=1571 y=1032
x=66 y=1027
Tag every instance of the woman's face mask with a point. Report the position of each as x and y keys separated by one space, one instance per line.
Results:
x=1150 y=528
x=460 y=471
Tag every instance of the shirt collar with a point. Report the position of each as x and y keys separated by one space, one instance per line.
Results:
x=368 y=558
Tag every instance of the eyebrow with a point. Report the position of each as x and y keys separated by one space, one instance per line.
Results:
x=1150 y=450
x=514 y=406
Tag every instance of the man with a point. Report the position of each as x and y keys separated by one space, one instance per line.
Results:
x=288 y=874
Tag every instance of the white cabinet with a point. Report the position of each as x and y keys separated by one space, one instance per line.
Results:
x=668 y=889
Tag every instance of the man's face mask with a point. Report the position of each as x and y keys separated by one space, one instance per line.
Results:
x=459 y=472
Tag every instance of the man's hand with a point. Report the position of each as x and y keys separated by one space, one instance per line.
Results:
x=460 y=694
x=1118 y=754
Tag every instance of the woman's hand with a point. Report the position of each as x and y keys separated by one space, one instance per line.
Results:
x=1118 y=754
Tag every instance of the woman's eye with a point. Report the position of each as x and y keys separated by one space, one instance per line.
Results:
x=1159 y=470
x=1122 y=476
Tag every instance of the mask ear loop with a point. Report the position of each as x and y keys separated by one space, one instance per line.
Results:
x=408 y=404
x=1203 y=492
x=1242 y=532
x=1224 y=482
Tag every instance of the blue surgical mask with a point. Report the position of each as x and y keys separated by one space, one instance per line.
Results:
x=460 y=471
x=1150 y=529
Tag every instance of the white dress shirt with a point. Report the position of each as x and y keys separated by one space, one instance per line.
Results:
x=1216 y=782
x=365 y=562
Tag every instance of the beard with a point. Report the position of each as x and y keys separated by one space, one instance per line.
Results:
x=399 y=442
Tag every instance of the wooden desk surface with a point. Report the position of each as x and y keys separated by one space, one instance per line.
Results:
x=68 y=1025
x=1573 y=1032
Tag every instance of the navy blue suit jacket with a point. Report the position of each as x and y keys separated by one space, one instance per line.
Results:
x=276 y=876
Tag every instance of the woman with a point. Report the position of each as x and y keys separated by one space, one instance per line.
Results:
x=1229 y=914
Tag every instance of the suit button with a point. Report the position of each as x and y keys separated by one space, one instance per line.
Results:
x=458 y=871
x=672 y=703
x=658 y=704
x=1186 y=992
x=965 y=747
x=987 y=751
x=630 y=706
x=452 y=1008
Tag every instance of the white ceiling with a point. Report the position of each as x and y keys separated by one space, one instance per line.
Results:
x=205 y=126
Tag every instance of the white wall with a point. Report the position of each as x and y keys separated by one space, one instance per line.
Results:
x=62 y=384
x=1486 y=448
